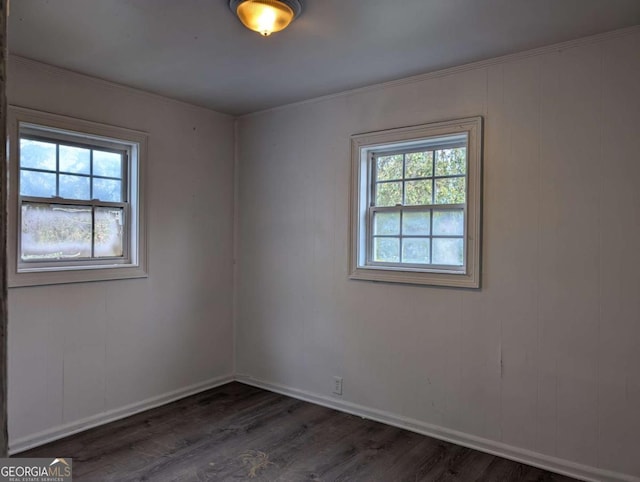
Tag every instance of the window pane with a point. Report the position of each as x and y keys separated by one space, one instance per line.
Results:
x=450 y=191
x=107 y=164
x=75 y=159
x=74 y=187
x=448 y=223
x=450 y=162
x=40 y=184
x=388 y=194
x=417 y=192
x=108 y=241
x=448 y=251
x=37 y=154
x=386 y=223
x=415 y=223
x=389 y=167
x=419 y=164
x=51 y=232
x=415 y=250
x=107 y=190
x=386 y=250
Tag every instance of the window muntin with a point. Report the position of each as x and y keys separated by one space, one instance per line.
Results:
x=77 y=189
x=73 y=199
x=417 y=206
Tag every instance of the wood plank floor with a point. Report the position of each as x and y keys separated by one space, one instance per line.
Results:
x=237 y=432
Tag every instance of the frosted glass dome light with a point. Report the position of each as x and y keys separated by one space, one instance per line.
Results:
x=266 y=16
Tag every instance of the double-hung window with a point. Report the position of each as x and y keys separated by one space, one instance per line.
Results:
x=416 y=204
x=76 y=204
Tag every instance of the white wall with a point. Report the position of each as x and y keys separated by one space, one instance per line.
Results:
x=79 y=350
x=546 y=356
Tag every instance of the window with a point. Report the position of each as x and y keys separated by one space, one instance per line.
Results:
x=76 y=200
x=416 y=204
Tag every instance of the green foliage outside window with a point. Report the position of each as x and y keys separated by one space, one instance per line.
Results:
x=426 y=178
x=409 y=179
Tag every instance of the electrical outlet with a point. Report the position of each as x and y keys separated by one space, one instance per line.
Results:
x=337 y=385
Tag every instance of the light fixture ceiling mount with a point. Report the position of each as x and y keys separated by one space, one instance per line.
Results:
x=266 y=16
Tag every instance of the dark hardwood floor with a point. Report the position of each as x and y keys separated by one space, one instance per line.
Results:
x=237 y=432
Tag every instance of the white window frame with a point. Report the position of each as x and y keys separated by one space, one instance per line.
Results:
x=57 y=128
x=366 y=146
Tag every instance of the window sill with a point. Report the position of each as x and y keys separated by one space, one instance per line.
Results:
x=395 y=275
x=42 y=277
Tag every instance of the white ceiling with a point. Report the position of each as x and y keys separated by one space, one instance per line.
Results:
x=197 y=51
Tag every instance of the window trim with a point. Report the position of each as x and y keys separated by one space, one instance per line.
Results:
x=99 y=135
x=362 y=145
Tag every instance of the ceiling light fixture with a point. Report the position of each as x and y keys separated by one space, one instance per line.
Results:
x=266 y=16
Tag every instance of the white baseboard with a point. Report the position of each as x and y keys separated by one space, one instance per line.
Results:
x=546 y=462
x=61 y=431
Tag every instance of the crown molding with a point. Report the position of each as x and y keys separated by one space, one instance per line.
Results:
x=593 y=39
x=107 y=84
x=558 y=47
